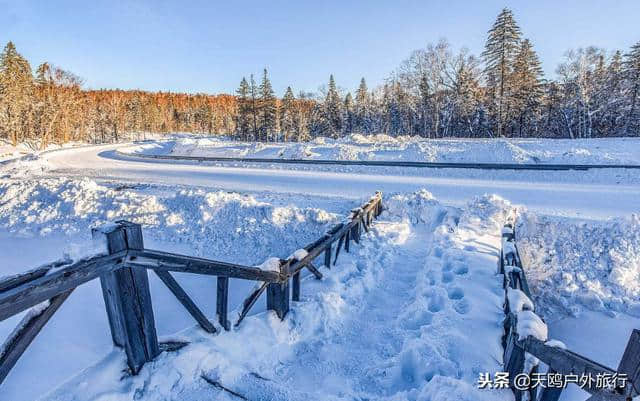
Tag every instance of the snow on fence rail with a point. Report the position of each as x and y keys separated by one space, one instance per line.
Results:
x=525 y=342
x=122 y=271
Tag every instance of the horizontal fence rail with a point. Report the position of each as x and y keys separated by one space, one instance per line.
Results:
x=559 y=360
x=389 y=163
x=123 y=273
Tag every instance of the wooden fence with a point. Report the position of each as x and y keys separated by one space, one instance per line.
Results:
x=559 y=360
x=125 y=286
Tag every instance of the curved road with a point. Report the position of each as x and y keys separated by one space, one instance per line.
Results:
x=588 y=194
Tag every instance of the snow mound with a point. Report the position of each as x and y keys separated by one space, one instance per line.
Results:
x=573 y=265
x=419 y=207
x=212 y=223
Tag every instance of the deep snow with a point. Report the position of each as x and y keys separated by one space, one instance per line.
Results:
x=412 y=313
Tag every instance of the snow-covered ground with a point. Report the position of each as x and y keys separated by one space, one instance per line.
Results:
x=413 y=313
x=384 y=147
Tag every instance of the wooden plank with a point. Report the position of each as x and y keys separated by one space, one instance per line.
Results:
x=24 y=296
x=278 y=298
x=314 y=270
x=327 y=256
x=564 y=361
x=607 y=396
x=514 y=361
x=347 y=239
x=28 y=329
x=550 y=393
x=158 y=260
x=295 y=293
x=128 y=300
x=222 y=301
x=15 y=280
x=250 y=301
x=630 y=362
x=335 y=258
x=185 y=300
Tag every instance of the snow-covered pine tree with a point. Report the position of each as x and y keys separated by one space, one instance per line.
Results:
x=362 y=112
x=268 y=109
x=631 y=71
x=254 y=108
x=467 y=98
x=500 y=50
x=349 y=114
x=526 y=81
x=243 y=113
x=287 y=115
x=16 y=95
x=333 y=110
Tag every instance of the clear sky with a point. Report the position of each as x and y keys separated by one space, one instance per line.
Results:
x=207 y=46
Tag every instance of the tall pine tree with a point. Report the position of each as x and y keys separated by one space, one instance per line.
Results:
x=527 y=91
x=333 y=110
x=268 y=108
x=500 y=51
x=631 y=70
x=243 y=116
x=287 y=115
x=362 y=123
x=16 y=95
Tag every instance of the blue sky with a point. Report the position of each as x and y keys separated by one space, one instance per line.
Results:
x=207 y=46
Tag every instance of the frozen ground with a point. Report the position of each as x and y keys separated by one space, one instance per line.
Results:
x=390 y=321
x=383 y=147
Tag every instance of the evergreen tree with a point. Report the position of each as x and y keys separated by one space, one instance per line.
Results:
x=333 y=110
x=631 y=71
x=268 y=109
x=423 y=104
x=349 y=114
x=254 y=108
x=287 y=115
x=527 y=93
x=500 y=50
x=243 y=116
x=362 y=123
x=16 y=95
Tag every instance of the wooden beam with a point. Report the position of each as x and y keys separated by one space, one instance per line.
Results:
x=550 y=393
x=26 y=332
x=26 y=295
x=295 y=291
x=314 y=270
x=335 y=258
x=630 y=363
x=327 y=256
x=158 y=260
x=250 y=301
x=15 y=280
x=185 y=300
x=222 y=301
x=564 y=361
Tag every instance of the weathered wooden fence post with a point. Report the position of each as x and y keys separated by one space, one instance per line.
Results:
x=222 y=301
x=278 y=297
x=127 y=298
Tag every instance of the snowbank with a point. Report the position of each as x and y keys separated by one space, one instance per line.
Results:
x=573 y=265
x=407 y=148
x=213 y=223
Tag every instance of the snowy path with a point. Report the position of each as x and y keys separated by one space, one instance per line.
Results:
x=589 y=194
x=369 y=340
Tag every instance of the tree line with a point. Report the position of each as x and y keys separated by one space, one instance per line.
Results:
x=436 y=92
